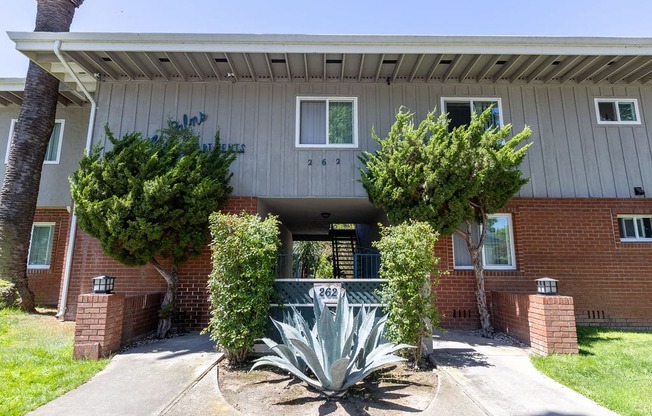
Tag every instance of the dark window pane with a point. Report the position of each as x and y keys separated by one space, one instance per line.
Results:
x=645 y=227
x=459 y=114
x=626 y=228
x=607 y=111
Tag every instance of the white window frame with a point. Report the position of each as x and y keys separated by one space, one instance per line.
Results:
x=598 y=100
x=484 y=263
x=353 y=145
x=50 y=245
x=45 y=162
x=470 y=100
x=636 y=239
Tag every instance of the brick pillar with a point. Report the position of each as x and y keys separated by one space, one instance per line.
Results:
x=98 y=328
x=552 y=324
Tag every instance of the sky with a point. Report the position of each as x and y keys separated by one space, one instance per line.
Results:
x=412 y=17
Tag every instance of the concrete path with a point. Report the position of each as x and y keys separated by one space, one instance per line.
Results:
x=147 y=380
x=177 y=377
x=500 y=379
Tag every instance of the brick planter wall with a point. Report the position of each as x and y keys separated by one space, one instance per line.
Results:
x=105 y=322
x=510 y=314
x=140 y=316
x=546 y=323
x=98 y=328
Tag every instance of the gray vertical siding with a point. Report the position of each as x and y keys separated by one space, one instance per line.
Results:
x=55 y=189
x=571 y=155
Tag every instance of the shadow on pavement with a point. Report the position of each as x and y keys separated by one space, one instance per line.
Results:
x=458 y=357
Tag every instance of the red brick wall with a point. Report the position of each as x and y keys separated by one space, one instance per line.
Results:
x=98 y=330
x=510 y=314
x=45 y=282
x=552 y=325
x=546 y=323
x=575 y=241
x=192 y=301
x=140 y=316
x=89 y=262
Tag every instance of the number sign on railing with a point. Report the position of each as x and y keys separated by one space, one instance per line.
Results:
x=329 y=293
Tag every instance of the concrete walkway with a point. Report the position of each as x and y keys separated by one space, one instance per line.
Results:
x=177 y=377
x=148 y=380
x=500 y=379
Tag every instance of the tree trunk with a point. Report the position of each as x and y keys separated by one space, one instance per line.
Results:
x=167 y=306
x=480 y=296
x=32 y=132
x=475 y=250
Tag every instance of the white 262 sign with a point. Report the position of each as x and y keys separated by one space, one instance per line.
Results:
x=329 y=293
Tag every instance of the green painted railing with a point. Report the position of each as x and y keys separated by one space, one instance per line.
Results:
x=297 y=292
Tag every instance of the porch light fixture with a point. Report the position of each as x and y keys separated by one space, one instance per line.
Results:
x=325 y=215
x=103 y=284
x=639 y=191
x=546 y=286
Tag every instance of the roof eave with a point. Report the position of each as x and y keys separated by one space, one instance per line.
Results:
x=258 y=43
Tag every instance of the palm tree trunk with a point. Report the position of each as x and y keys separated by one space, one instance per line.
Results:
x=168 y=304
x=20 y=187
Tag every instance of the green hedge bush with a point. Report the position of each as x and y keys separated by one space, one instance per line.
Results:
x=409 y=264
x=241 y=284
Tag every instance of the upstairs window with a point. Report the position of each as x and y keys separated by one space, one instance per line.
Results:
x=53 y=151
x=617 y=111
x=327 y=122
x=635 y=228
x=40 y=246
x=498 y=249
x=460 y=110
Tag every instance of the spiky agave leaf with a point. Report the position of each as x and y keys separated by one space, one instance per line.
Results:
x=339 y=373
x=283 y=351
x=287 y=366
x=311 y=357
x=340 y=350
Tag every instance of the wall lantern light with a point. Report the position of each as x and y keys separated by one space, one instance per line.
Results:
x=103 y=284
x=639 y=191
x=546 y=286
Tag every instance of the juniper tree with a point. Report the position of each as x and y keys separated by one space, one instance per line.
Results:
x=449 y=178
x=149 y=200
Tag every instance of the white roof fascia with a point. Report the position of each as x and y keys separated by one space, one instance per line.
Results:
x=12 y=84
x=247 y=43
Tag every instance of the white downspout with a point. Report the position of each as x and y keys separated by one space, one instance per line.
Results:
x=73 y=221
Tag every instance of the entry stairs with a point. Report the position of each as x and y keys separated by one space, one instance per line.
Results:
x=344 y=243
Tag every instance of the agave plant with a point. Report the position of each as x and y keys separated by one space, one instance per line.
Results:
x=341 y=349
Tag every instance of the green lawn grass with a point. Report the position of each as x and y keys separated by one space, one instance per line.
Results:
x=613 y=368
x=36 y=362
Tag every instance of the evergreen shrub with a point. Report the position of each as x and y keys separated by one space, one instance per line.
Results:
x=409 y=264
x=241 y=284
